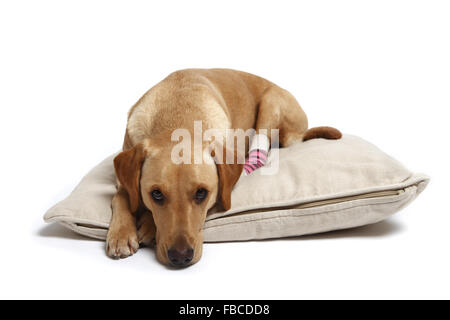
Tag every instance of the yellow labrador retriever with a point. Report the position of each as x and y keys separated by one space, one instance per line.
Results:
x=159 y=201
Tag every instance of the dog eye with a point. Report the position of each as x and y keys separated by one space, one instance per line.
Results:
x=157 y=195
x=200 y=195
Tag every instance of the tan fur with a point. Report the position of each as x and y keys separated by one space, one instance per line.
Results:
x=322 y=132
x=221 y=99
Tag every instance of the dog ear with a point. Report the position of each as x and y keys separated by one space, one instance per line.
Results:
x=229 y=172
x=228 y=176
x=127 y=165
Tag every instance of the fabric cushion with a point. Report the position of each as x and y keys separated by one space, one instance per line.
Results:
x=321 y=185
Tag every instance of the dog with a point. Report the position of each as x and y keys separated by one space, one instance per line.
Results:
x=165 y=203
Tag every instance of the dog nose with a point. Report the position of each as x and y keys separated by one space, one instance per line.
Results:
x=180 y=258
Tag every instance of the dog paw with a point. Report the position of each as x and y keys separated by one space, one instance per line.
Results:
x=121 y=244
x=146 y=230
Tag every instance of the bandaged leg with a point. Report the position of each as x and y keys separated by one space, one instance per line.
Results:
x=257 y=154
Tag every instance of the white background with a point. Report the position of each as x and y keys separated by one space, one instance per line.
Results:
x=69 y=72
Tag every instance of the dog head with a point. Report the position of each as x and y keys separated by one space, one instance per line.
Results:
x=178 y=196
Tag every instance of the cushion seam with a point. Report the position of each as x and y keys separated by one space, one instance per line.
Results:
x=303 y=215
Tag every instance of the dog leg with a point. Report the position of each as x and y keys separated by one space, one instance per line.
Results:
x=292 y=120
x=122 y=240
x=268 y=119
x=146 y=229
x=278 y=109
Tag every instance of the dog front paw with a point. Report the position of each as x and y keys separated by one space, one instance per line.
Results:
x=146 y=230
x=121 y=243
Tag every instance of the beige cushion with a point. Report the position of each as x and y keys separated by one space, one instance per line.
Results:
x=321 y=185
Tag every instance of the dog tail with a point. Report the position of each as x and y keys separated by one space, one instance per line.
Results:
x=322 y=132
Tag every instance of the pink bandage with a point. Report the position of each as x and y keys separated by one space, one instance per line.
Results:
x=257 y=155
